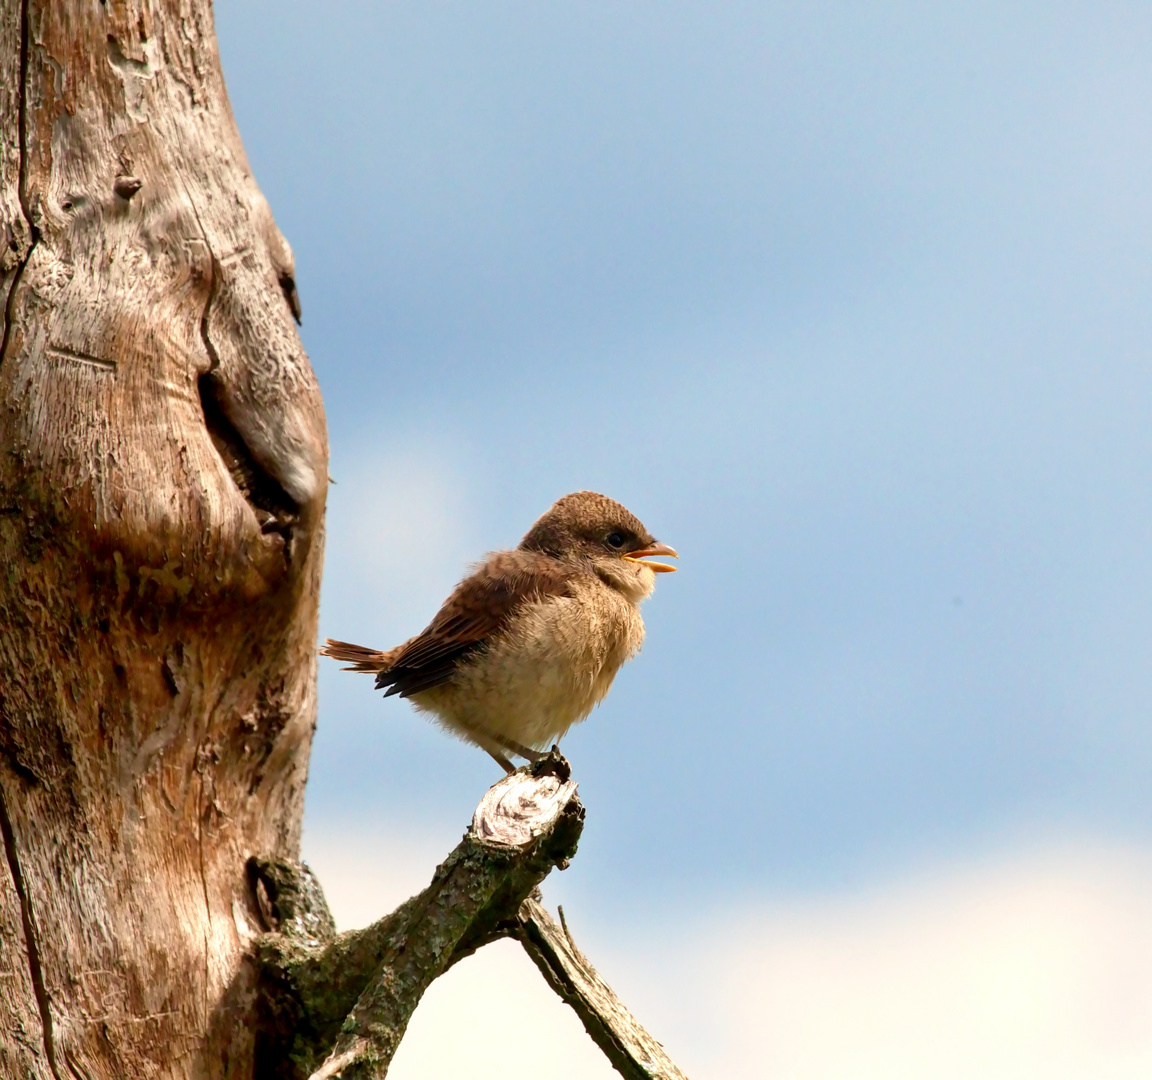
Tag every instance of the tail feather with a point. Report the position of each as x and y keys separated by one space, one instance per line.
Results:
x=358 y=657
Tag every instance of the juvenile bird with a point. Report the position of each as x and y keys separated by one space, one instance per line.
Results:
x=531 y=640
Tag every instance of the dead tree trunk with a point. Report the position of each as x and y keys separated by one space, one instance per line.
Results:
x=163 y=469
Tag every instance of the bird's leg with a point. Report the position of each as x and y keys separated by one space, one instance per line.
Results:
x=519 y=749
x=501 y=760
x=485 y=738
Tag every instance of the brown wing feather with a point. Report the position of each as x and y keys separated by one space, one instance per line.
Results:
x=478 y=609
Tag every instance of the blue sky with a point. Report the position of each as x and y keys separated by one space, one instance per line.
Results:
x=849 y=302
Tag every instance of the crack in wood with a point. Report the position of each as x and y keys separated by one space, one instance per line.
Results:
x=30 y=937
x=31 y=943
x=235 y=256
x=201 y=810
x=275 y=509
x=21 y=183
x=10 y=301
x=62 y=352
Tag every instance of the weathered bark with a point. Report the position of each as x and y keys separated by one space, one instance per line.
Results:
x=163 y=469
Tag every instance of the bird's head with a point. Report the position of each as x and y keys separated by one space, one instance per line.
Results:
x=591 y=528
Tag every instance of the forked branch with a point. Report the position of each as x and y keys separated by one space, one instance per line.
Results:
x=338 y=1006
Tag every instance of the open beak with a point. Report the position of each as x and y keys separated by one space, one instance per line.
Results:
x=654 y=549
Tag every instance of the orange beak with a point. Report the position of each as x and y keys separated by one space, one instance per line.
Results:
x=653 y=549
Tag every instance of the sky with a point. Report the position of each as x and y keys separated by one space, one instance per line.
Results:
x=848 y=302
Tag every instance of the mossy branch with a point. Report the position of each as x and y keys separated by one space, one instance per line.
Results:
x=338 y=1005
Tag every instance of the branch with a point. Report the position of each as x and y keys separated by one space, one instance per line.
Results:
x=351 y=998
x=632 y=1051
x=339 y=1005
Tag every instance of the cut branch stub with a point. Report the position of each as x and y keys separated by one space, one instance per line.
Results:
x=520 y=808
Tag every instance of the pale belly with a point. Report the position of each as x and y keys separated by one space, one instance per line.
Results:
x=531 y=686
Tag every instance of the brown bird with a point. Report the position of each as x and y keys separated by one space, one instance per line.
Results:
x=531 y=640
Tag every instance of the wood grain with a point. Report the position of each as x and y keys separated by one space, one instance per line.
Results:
x=163 y=471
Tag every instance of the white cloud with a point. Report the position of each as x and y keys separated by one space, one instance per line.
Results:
x=1009 y=968
x=1038 y=966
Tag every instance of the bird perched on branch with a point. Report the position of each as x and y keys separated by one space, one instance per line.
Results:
x=531 y=640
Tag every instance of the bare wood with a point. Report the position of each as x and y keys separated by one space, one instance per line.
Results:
x=22 y=1045
x=163 y=470
x=633 y=1052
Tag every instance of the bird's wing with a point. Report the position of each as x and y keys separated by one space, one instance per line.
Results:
x=478 y=609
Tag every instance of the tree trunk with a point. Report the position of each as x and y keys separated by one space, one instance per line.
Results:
x=163 y=470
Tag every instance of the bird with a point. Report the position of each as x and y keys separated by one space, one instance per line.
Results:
x=529 y=642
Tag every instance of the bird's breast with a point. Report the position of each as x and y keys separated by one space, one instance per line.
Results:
x=554 y=662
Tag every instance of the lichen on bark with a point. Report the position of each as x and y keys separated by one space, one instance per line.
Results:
x=324 y=997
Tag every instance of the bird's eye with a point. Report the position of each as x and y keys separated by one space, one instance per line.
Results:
x=615 y=540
